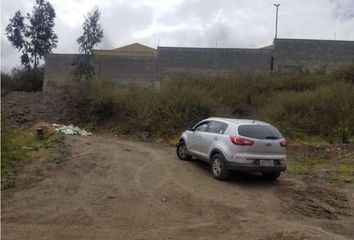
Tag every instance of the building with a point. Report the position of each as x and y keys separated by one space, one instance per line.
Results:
x=132 y=50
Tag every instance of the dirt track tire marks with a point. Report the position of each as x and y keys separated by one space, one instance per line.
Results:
x=111 y=188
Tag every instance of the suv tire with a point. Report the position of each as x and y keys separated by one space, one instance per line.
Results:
x=218 y=167
x=271 y=176
x=182 y=151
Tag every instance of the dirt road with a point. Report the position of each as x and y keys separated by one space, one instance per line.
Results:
x=108 y=188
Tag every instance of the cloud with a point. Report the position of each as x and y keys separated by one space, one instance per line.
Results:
x=197 y=23
x=344 y=9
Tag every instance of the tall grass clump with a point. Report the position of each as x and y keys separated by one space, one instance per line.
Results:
x=326 y=111
x=161 y=113
x=346 y=73
x=95 y=98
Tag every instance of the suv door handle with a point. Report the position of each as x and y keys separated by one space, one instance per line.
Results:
x=216 y=138
x=199 y=135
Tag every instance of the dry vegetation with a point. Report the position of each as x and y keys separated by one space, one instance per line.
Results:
x=302 y=106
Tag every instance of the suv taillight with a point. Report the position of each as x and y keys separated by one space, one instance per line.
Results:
x=237 y=140
x=284 y=143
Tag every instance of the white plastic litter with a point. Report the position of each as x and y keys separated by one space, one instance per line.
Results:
x=70 y=130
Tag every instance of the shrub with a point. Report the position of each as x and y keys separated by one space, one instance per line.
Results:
x=239 y=92
x=325 y=111
x=161 y=113
x=300 y=105
x=95 y=99
x=345 y=72
x=22 y=79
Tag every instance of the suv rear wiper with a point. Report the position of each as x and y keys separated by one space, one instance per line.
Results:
x=271 y=137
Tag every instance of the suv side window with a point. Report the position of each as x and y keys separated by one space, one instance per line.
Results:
x=201 y=127
x=217 y=127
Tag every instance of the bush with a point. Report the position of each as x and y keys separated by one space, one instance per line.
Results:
x=345 y=73
x=161 y=113
x=326 y=111
x=240 y=92
x=22 y=79
x=95 y=99
x=300 y=105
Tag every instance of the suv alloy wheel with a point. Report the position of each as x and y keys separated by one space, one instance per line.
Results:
x=218 y=167
x=182 y=151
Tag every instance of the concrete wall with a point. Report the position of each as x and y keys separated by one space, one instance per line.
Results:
x=140 y=70
x=311 y=55
x=293 y=55
x=174 y=59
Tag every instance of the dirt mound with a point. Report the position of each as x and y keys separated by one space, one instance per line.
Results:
x=27 y=108
x=315 y=201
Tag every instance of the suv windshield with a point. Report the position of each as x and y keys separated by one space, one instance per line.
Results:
x=259 y=132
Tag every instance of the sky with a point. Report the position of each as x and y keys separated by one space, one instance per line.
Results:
x=188 y=23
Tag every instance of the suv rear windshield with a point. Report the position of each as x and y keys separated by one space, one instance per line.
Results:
x=259 y=132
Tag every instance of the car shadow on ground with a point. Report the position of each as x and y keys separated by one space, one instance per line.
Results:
x=240 y=178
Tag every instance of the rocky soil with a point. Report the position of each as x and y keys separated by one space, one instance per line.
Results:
x=28 y=108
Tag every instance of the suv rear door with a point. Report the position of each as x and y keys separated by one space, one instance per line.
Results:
x=267 y=140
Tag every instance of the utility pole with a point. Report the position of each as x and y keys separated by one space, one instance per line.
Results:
x=276 y=19
x=215 y=54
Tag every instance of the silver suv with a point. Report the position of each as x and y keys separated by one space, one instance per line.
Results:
x=235 y=144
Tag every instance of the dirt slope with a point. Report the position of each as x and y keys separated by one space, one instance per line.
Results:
x=28 y=108
x=111 y=188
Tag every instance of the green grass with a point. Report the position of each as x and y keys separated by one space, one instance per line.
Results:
x=299 y=168
x=18 y=144
x=312 y=141
x=311 y=160
x=346 y=171
x=302 y=165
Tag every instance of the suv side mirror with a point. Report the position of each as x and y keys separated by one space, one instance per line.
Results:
x=190 y=129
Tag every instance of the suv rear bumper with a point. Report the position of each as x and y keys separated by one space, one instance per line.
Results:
x=254 y=167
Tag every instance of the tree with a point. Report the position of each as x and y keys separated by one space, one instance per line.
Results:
x=15 y=32
x=35 y=39
x=40 y=30
x=93 y=34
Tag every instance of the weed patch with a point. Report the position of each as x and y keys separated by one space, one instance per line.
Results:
x=19 y=144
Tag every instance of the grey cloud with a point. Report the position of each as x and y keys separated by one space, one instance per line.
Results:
x=197 y=23
x=10 y=57
x=344 y=9
x=230 y=23
x=218 y=33
x=67 y=36
x=121 y=21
